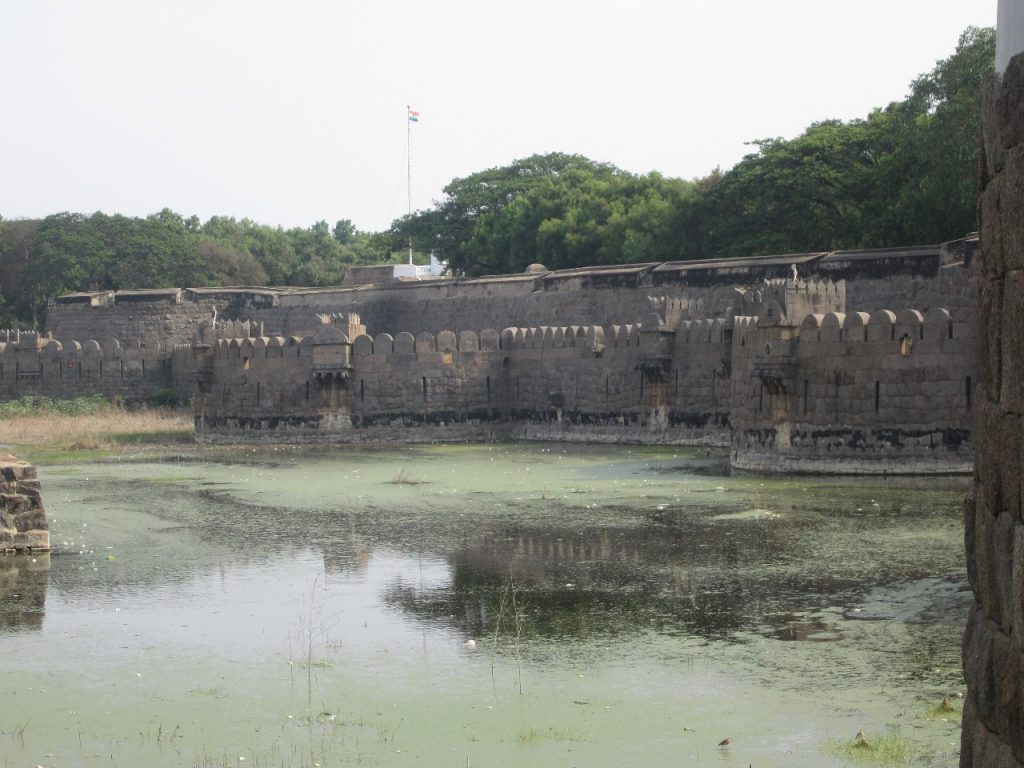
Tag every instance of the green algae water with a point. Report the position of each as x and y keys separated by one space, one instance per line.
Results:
x=489 y=605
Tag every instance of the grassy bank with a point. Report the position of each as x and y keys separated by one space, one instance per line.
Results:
x=34 y=427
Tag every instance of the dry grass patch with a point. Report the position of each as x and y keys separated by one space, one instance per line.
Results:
x=102 y=431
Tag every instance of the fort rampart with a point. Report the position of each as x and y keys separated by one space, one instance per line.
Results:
x=791 y=359
x=31 y=364
x=549 y=382
x=993 y=718
x=855 y=392
x=909 y=277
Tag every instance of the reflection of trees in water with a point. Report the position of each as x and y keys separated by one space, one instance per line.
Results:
x=697 y=569
x=23 y=583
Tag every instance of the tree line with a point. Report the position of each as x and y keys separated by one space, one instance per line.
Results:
x=905 y=174
x=67 y=252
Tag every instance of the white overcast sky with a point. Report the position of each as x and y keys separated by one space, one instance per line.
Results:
x=291 y=112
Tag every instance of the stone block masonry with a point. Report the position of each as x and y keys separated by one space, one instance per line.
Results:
x=23 y=524
x=558 y=383
x=993 y=719
x=645 y=353
x=920 y=277
x=855 y=393
x=31 y=364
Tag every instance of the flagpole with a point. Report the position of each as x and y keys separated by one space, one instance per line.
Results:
x=408 y=168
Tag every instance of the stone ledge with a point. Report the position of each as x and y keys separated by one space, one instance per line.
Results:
x=23 y=524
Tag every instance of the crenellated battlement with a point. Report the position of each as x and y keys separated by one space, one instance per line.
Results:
x=710 y=331
x=666 y=353
x=937 y=325
x=35 y=364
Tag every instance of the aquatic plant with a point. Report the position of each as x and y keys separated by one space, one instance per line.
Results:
x=889 y=749
x=403 y=478
x=509 y=601
x=531 y=735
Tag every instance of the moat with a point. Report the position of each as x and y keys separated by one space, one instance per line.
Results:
x=480 y=605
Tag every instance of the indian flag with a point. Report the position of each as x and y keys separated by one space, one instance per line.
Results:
x=414 y=116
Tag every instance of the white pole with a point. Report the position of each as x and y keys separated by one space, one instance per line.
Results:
x=408 y=166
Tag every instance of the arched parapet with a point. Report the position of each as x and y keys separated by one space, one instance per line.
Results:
x=362 y=346
x=625 y=335
x=881 y=326
x=909 y=326
x=92 y=357
x=595 y=338
x=259 y=346
x=276 y=346
x=810 y=328
x=909 y=318
x=938 y=325
x=329 y=333
x=246 y=352
x=111 y=348
x=234 y=348
x=53 y=351
x=856 y=326
x=832 y=326
x=469 y=341
x=579 y=335
x=489 y=340
x=534 y=338
x=383 y=344
x=508 y=338
x=292 y=344
x=305 y=347
x=405 y=344
x=425 y=343
x=555 y=339
x=447 y=342
x=811 y=322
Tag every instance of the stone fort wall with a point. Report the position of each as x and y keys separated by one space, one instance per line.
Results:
x=856 y=393
x=31 y=364
x=564 y=382
x=686 y=366
x=910 y=277
x=993 y=717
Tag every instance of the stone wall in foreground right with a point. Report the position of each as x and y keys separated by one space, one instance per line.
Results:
x=993 y=718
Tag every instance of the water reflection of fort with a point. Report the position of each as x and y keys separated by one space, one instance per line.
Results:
x=23 y=584
x=688 y=574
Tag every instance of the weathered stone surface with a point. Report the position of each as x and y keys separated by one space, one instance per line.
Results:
x=993 y=718
x=23 y=523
